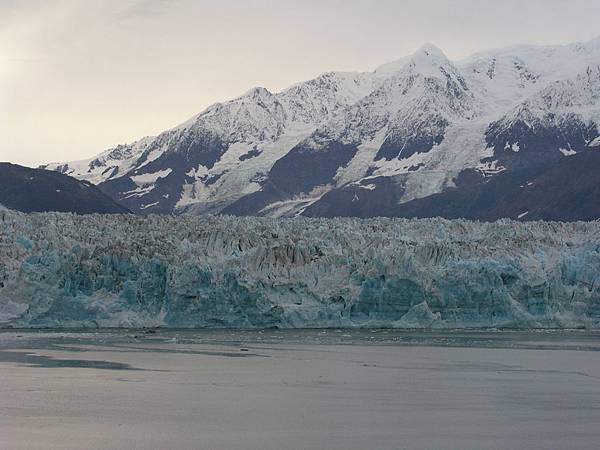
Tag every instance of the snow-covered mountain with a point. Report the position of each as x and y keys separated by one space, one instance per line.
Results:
x=408 y=130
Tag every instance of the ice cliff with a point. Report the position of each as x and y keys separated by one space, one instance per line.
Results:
x=63 y=270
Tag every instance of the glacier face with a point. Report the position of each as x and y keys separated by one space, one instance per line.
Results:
x=63 y=270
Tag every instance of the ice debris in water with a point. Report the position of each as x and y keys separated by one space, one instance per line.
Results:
x=63 y=270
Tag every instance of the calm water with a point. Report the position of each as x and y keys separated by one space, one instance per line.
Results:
x=309 y=389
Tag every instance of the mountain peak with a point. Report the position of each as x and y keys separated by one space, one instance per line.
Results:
x=430 y=50
x=426 y=60
x=257 y=92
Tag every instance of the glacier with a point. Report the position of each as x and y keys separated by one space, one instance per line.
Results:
x=65 y=270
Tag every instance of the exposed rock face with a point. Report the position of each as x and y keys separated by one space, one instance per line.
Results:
x=568 y=191
x=65 y=270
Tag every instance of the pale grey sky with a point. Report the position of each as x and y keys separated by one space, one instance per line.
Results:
x=80 y=76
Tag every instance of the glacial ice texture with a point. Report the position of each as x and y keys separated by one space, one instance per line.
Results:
x=63 y=270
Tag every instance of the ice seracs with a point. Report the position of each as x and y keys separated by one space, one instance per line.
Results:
x=63 y=270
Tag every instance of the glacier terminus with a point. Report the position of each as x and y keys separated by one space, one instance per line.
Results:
x=65 y=270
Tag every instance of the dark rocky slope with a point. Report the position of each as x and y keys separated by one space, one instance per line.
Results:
x=37 y=190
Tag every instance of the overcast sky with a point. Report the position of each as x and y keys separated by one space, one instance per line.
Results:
x=80 y=76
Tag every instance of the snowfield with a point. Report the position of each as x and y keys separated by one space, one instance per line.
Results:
x=63 y=270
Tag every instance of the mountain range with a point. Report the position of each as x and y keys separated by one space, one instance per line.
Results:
x=511 y=132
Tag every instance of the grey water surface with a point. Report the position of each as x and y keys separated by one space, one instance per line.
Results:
x=299 y=389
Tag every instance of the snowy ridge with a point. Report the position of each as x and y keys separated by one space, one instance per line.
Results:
x=62 y=270
x=560 y=119
x=580 y=95
x=511 y=74
x=111 y=163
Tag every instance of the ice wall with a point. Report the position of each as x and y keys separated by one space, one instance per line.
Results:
x=63 y=270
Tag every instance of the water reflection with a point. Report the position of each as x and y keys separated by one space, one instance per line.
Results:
x=35 y=360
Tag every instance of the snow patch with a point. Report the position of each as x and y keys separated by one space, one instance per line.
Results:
x=149 y=205
x=595 y=143
x=150 y=178
x=567 y=152
x=514 y=147
x=369 y=187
